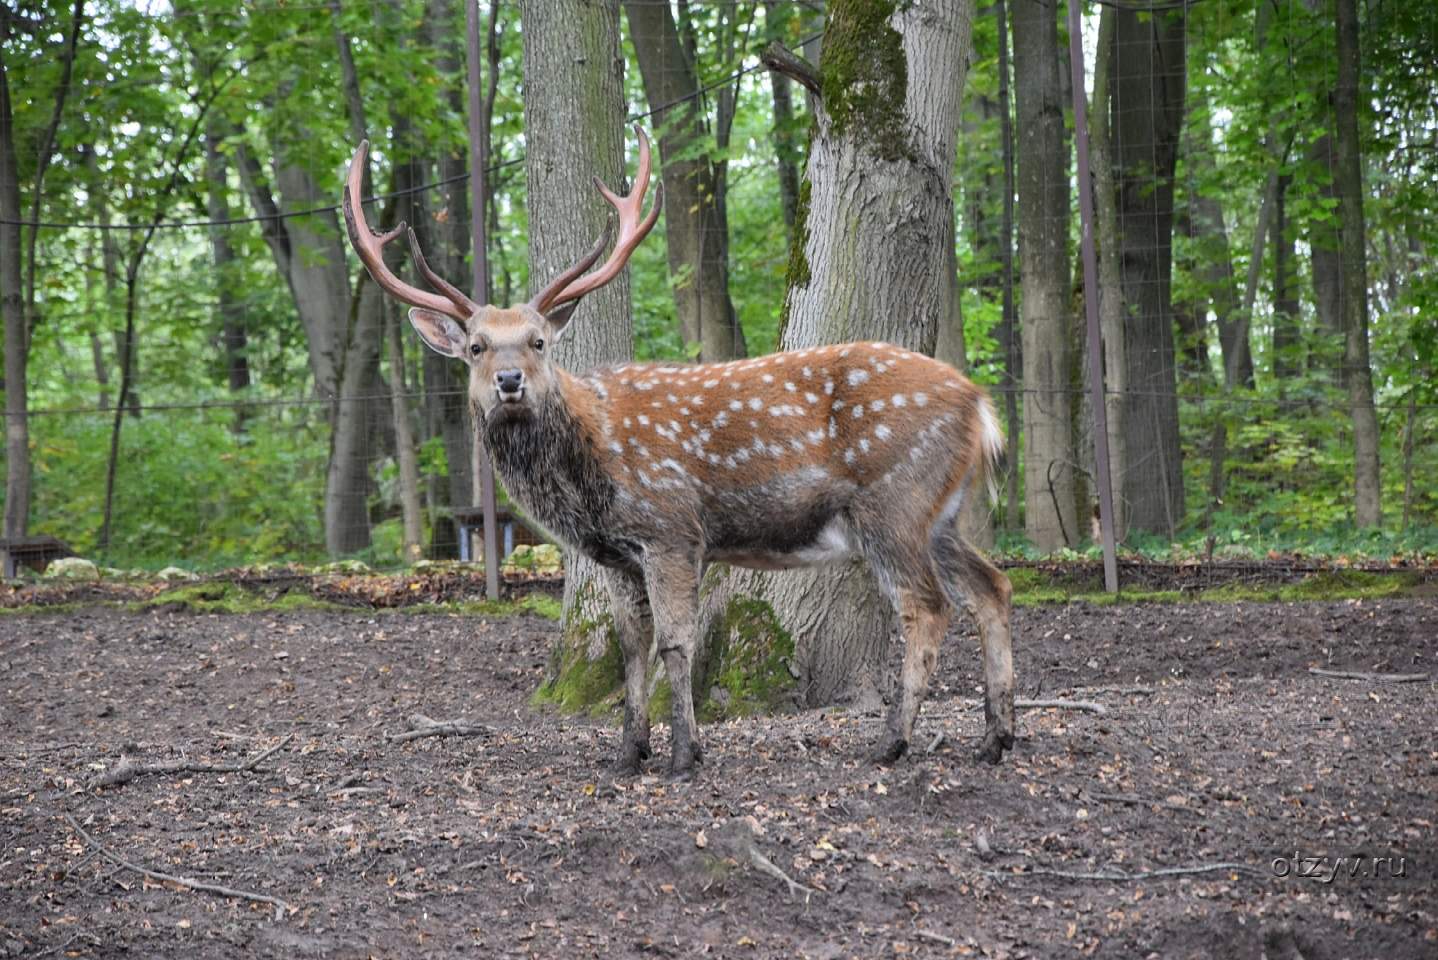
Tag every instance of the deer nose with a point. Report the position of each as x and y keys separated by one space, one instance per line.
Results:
x=509 y=381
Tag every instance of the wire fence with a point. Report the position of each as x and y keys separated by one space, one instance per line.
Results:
x=231 y=449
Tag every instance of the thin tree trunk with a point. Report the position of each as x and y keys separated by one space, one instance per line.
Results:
x=1287 y=342
x=234 y=339
x=1009 y=338
x=1110 y=270
x=17 y=339
x=404 y=444
x=786 y=151
x=1147 y=104
x=1358 y=373
x=572 y=46
x=695 y=230
x=1325 y=260
x=1043 y=206
x=19 y=314
x=1412 y=416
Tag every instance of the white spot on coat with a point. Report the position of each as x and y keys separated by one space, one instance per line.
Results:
x=857 y=377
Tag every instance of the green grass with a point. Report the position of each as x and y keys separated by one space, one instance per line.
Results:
x=1035 y=587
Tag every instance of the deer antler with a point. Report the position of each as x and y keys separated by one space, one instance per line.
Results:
x=570 y=285
x=370 y=246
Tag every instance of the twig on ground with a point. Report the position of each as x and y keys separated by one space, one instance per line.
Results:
x=422 y=726
x=933 y=937
x=1087 y=706
x=1134 y=801
x=765 y=865
x=127 y=769
x=934 y=743
x=281 y=906
x=1371 y=677
x=1123 y=876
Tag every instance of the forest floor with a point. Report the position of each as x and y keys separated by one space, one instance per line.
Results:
x=1220 y=758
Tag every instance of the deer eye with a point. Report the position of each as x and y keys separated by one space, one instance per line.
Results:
x=476 y=349
x=539 y=343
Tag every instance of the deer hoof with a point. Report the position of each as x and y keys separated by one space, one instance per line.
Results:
x=890 y=751
x=994 y=745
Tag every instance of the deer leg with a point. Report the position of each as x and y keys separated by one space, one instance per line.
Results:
x=989 y=597
x=674 y=597
x=634 y=625
x=923 y=617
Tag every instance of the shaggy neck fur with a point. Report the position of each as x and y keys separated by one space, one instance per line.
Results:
x=545 y=455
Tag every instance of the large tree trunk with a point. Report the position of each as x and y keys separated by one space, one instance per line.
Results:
x=695 y=226
x=872 y=259
x=574 y=129
x=1044 y=312
x=1357 y=373
x=17 y=340
x=1147 y=116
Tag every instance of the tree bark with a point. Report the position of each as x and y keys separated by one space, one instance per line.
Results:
x=872 y=259
x=1148 y=75
x=1357 y=372
x=695 y=226
x=1044 y=312
x=574 y=129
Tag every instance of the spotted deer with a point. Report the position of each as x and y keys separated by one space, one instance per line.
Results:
x=795 y=459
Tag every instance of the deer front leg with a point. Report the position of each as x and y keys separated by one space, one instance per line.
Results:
x=632 y=622
x=673 y=580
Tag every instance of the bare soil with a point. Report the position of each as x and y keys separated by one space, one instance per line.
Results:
x=1218 y=747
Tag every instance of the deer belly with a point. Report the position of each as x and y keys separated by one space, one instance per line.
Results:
x=783 y=551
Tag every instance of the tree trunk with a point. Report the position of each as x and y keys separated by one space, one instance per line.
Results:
x=1009 y=335
x=17 y=339
x=1357 y=372
x=695 y=227
x=1110 y=270
x=872 y=259
x=445 y=381
x=786 y=152
x=1148 y=74
x=574 y=129
x=233 y=337
x=404 y=442
x=1044 y=311
x=1287 y=342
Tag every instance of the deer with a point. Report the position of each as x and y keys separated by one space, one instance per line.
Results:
x=657 y=470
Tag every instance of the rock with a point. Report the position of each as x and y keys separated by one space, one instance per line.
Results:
x=72 y=568
x=175 y=573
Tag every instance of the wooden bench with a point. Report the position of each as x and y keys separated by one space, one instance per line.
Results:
x=513 y=530
x=34 y=552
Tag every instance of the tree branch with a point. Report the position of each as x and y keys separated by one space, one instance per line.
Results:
x=780 y=59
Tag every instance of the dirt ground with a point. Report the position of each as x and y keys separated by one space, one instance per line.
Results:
x=1218 y=747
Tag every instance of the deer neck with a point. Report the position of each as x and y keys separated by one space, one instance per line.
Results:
x=547 y=458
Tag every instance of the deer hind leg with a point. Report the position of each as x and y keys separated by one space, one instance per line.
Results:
x=673 y=580
x=923 y=619
x=635 y=627
x=986 y=592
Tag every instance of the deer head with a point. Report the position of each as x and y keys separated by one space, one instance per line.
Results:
x=507 y=348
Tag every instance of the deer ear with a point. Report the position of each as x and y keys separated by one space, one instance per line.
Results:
x=441 y=333
x=559 y=319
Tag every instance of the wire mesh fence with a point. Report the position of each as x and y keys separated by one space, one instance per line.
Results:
x=212 y=381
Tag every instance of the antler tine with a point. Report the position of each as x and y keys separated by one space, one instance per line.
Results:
x=370 y=246
x=632 y=229
x=544 y=299
x=458 y=296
